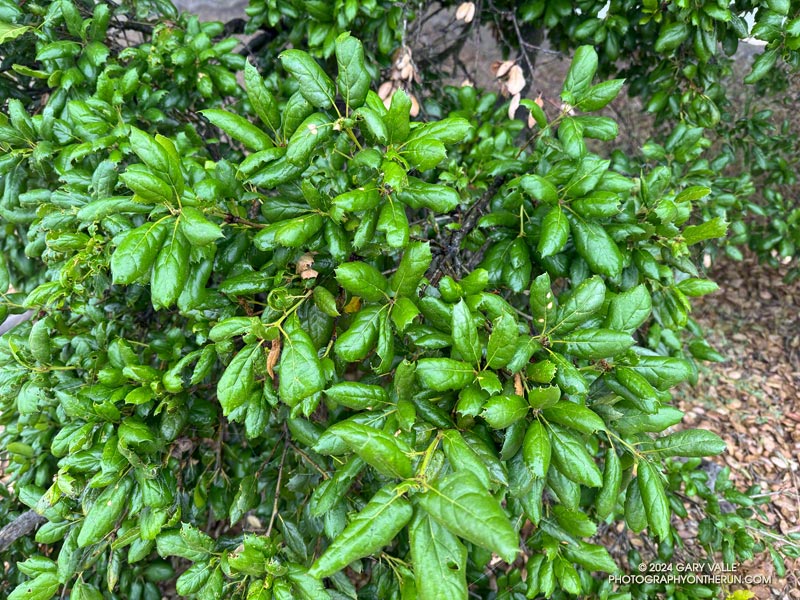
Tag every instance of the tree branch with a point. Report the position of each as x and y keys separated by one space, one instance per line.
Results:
x=19 y=527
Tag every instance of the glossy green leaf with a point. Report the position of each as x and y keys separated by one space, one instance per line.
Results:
x=442 y=374
x=575 y=416
x=301 y=373
x=353 y=79
x=393 y=222
x=691 y=442
x=554 y=233
x=137 y=252
x=363 y=280
x=238 y=379
x=465 y=334
x=171 y=270
x=375 y=526
x=412 y=268
x=595 y=343
x=238 y=128
x=536 y=450
x=261 y=98
x=573 y=460
x=596 y=247
x=385 y=453
x=358 y=396
x=654 y=497
x=315 y=85
x=463 y=506
x=580 y=305
x=439 y=560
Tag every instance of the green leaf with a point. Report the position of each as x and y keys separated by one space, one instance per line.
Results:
x=715 y=228
x=762 y=65
x=575 y=416
x=596 y=247
x=595 y=343
x=197 y=228
x=301 y=373
x=375 y=526
x=260 y=97
x=387 y=454
x=358 y=396
x=656 y=505
x=536 y=450
x=597 y=96
x=424 y=153
x=451 y=130
x=539 y=188
x=554 y=233
x=581 y=304
x=463 y=506
x=413 y=266
x=586 y=177
x=397 y=118
x=691 y=443
x=465 y=334
x=192 y=579
x=353 y=79
x=629 y=310
x=443 y=374
x=608 y=495
x=393 y=221
x=137 y=252
x=171 y=270
x=439 y=560
x=363 y=280
x=102 y=516
x=5 y=276
x=312 y=132
x=542 y=303
x=359 y=340
x=671 y=36
x=692 y=286
x=663 y=372
x=238 y=128
x=359 y=199
x=146 y=186
x=188 y=543
x=436 y=197
x=234 y=386
x=462 y=457
x=502 y=341
x=573 y=460
x=315 y=85
x=542 y=397
x=45 y=585
x=503 y=411
x=581 y=71
x=11 y=31
x=635 y=515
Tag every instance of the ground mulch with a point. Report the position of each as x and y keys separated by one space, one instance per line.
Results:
x=752 y=399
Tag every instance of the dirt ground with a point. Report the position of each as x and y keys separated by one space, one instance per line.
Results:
x=752 y=399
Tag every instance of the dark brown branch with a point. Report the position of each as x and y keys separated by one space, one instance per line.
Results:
x=19 y=527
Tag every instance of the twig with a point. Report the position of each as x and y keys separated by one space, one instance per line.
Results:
x=19 y=527
x=277 y=489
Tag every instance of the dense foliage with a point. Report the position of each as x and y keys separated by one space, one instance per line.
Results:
x=288 y=342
